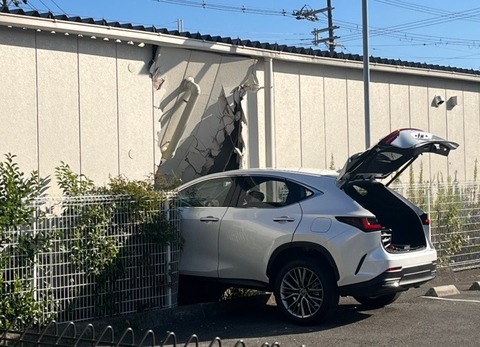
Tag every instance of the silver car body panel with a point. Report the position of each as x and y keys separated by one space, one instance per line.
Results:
x=200 y=227
x=263 y=230
x=212 y=246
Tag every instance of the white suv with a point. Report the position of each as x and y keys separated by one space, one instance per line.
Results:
x=310 y=237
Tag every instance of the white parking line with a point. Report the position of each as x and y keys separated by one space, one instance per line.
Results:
x=449 y=299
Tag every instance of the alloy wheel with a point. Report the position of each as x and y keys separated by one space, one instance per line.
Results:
x=302 y=292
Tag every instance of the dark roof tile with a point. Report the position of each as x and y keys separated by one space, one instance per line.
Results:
x=246 y=43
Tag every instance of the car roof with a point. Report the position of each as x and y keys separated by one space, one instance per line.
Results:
x=305 y=175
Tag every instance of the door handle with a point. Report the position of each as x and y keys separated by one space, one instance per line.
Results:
x=283 y=219
x=209 y=219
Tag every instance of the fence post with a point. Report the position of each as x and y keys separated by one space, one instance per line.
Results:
x=35 y=256
x=429 y=192
x=169 y=255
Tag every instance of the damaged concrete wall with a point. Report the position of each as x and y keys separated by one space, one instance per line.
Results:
x=90 y=103
x=198 y=104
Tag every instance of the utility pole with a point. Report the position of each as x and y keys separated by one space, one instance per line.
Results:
x=366 y=73
x=331 y=38
x=330 y=41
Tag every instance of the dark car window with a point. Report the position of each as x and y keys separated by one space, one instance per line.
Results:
x=212 y=193
x=268 y=192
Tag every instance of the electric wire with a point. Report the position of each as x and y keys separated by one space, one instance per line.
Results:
x=405 y=33
x=58 y=7
x=402 y=28
x=229 y=8
x=420 y=8
x=398 y=31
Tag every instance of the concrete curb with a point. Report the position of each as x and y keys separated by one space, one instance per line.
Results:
x=179 y=314
x=442 y=291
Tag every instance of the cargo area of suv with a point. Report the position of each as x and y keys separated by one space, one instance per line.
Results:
x=402 y=222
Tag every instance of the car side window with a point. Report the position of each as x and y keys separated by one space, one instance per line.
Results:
x=212 y=193
x=268 y=192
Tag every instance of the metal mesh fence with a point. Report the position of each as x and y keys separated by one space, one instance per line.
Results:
x=92 y=256
x=454 y=211
x=62 y=254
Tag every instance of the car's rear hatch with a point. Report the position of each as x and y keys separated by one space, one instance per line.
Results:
x=404 y=226
x=394 y=153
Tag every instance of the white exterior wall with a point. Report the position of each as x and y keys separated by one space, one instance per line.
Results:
x=82 y=101
x=320 y=121
x=90 y=103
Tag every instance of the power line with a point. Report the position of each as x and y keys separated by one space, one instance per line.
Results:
x=222 y=7
x=402 y=28
x=402 y=32
x=420 y=8
x=58 y=7
x=405 y=36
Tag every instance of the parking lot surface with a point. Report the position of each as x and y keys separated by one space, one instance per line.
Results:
x=413 y=320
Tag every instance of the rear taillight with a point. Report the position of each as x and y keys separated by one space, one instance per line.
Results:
x=389 y=138
x=366 y=224
x=425 y=220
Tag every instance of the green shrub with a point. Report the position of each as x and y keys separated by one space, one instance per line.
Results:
x=92 y=248
x=17 y=192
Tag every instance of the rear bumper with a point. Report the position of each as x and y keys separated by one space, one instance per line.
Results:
x=392 y=281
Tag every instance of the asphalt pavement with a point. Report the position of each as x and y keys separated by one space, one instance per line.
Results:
x=413 y=320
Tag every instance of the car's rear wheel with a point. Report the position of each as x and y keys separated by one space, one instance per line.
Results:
x=377 y=301
x=305 y=292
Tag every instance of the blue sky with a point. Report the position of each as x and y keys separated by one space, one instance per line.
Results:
x=433 y=31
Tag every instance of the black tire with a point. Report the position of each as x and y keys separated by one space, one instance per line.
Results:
x=305 y=292
x=372 y=302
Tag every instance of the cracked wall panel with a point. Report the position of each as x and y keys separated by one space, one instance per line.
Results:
x=98 y=105
x=312 y=117
x=58 y=109
x=207 y=125
x=135 y=112
x=175 y=166
x=231 y=72
x=172 y=66
x=18 y=102
x=203 y=67
x=287 y=115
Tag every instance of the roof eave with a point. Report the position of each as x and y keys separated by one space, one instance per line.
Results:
x=169 y=40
